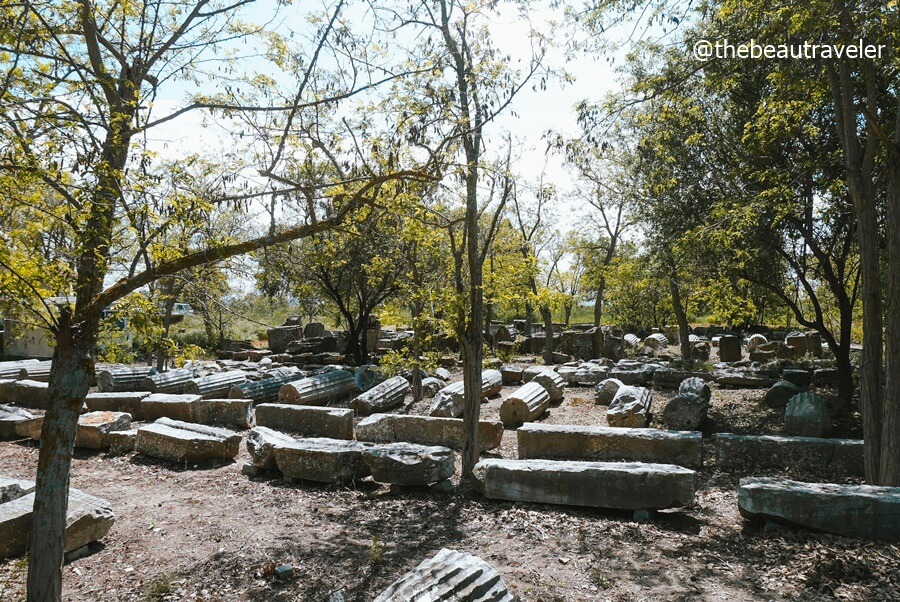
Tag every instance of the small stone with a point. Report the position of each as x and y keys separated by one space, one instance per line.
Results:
x=284 y=572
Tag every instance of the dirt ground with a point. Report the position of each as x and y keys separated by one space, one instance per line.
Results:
x=210 y=533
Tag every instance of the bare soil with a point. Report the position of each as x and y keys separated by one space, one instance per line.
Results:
x=210 y=533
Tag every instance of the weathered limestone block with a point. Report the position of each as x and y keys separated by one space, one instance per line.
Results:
x=630 y=407
x=11 y=489
x=801 y=378
x=178 y=441
x=233 y=413
x=554 y=384
x=842 y=457
x=10 y=370
x=700 y=351
x=39 y=371
x=383 y=396
x=88 y=519
x=314 y=330
x=279 y=338
x=265 y=390
x=122 y=442
x=636 y=376
x=511 y=374
x=531 y=371
x=589 y=374
x=755 y=341
x=781 y=393
x=94 y=428
x=620 y=485
x=172 y=381
x=526 y=404
x=405 y=463
x=741 y=379
x=570 y=442
x=165 y=405
x=491 y=382
x=30 y=394
x=862 y=511
x=729 y=348
x=318 y=390
x=91 y=431
x=122 y=378
x=685 y=412
x=322 y=460
x=215 y=385
x=306 y=421
x=449 y=401
x=656 y=341
x=567 y=373
x=696 y=386
x=126 y=401
x=826 y=377
x=261 y=444
x=814 y=343
x=431 y=386
x=670 y=378
x=631 y=340
x=425 y=430
x=9 y=417
x=807 y=415
x=797 y=340
x=606 y=390
x=449 y=576
x=443 y=373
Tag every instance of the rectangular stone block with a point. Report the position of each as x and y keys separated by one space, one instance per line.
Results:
x=178 y=441
x=619 y=485
x=88 y=519
x=838 y=456
x=125 y=401
x=570 y=442
x=9 y=417
x=426 y=430
x=11 y=489
x=234 y=413
x=862 y=511
x=322 y=460
x=165 y=405
x=306 y=421
x=31 y=394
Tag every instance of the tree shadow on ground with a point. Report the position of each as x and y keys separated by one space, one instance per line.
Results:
x=140 y=459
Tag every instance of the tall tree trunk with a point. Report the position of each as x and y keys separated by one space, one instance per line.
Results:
x=547 y=316
x=680 y=313
x=890 y=434
x=568 y=313
x=416 y=312
x=70 y=379
x=598 y=301
x=529 y=318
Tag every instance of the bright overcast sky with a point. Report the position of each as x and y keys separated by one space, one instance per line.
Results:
x=531 y=114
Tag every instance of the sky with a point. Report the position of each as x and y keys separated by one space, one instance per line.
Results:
x=530 y=116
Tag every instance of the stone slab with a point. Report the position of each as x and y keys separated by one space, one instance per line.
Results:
x=306 y=421
x=836 y=456
x=178 y=441
x=425 y=430
x=569 y=442
x=861 y=511
x=619 y=485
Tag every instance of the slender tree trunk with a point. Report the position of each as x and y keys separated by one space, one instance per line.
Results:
x=416 y=311
x=70 y=379
x=598 y=301
x=890 y=434
x=568 y=314
x=547 y=316
x=680 y=313
x=529 y=317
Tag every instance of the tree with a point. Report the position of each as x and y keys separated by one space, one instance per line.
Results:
x=78 y=85
x=445 y=115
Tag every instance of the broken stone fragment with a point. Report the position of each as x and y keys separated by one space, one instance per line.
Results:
x=178 y=441
x=425 y=430
x=449 y=576
x=409 y=464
